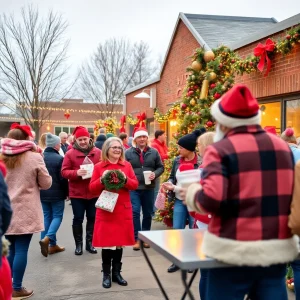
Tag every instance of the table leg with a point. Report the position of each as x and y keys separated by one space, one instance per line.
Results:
x=153 y=271
x=186 y=285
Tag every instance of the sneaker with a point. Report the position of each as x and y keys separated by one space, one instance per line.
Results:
x=137 y=246
x=21 y=294
x=55 y=249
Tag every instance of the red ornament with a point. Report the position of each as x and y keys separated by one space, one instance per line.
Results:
x=217 y=96
x=213 y=85
x=209 y=123
x=183 y=106
x=288 y=37
x=296 y=35
x=195 y=87
x=190 y=93
x=67 y=114
x=233 y=61
x=251 y=63
x=220 y=66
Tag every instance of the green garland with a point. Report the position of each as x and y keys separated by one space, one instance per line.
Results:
x=113 y=180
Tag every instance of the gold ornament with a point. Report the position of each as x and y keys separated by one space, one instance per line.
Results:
x=204 y=89
x=208 y=56
x=196 y=65
x=192 y=102
x=212 y=75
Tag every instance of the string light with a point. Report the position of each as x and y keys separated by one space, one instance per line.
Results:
x=51 y=121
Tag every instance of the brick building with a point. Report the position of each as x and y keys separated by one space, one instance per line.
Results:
x=279 y=93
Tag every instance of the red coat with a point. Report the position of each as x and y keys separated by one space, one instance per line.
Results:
x=78 y=187
x=116 y=228
x=5 y=280
x=161 y=148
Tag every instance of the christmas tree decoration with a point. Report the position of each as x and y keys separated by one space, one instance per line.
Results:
x=196 y=65
x=67 y=114
x=204 y=89
x=113 y=180
x=192 y=102
x=208 y=56
x=110 y=124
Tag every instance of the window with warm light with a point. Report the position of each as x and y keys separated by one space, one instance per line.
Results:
x=293 y=115
x=172 y=128
x=271 y=115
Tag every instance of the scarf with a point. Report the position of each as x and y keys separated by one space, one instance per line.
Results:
x=84 y=151
x=141 y=154
x=194 y=161
x=13 y=147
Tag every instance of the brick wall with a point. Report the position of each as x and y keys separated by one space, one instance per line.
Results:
x=283 y=78
x=173 y=77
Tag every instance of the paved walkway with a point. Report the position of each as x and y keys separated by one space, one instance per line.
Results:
x=66 y=276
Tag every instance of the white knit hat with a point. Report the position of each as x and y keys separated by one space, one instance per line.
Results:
x=140 y=132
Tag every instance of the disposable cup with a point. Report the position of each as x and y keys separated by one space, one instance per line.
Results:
x=146 y=176
x=186 y=178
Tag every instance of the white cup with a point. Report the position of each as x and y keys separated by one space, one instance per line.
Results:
x=186 y=178
x=146 y=176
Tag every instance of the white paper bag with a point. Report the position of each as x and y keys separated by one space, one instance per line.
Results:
x=88 y=165
x=107 y=201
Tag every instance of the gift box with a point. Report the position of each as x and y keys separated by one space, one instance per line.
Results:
x=107 y=201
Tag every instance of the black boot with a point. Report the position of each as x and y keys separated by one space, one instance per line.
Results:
x=77 y=233
x=89 y=237
x=116 y=274
x=106 y=283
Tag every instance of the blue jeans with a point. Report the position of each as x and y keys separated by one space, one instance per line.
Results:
x=18 y=251
x=234 y=283
x=296 y=270
x=82 y=206
x=203 y=284
x=53 y=215
x=181 y=215
x=142 y=199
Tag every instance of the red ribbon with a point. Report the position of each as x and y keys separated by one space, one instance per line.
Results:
x=261 y=50
x=141 y=118
x=123 y=121
x=113 y=178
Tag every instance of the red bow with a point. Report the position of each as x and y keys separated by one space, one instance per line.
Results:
x=122 y=121
x=261 y=50
x=25 y=128
x=113 y=178
x=141 y=118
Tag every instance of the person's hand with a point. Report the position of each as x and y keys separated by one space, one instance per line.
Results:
x=182 y=194
x=152 y=176
x=168 y=186
x=81 y=172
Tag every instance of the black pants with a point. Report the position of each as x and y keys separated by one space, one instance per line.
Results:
x=82 y=206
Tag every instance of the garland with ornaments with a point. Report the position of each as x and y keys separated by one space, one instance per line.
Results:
x=212 y=74
x=110 y=124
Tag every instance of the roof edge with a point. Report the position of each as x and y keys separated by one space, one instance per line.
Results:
x=141 y=85
x=280 y=26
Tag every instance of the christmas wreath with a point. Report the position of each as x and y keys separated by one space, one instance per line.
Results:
x=113 y=180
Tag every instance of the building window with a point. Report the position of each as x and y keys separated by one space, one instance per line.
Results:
x=271 y=115
x=69 y=129
x=292 y=115
x=172 y=128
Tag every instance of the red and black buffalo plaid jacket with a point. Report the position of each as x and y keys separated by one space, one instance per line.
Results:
x=247 y=187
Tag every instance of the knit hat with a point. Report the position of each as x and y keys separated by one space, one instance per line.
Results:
x=25 y=128
x=140 y=132
x=52 y=140
x=189 y=141
x=109 y=135
x=236 y=108
x=80 y=131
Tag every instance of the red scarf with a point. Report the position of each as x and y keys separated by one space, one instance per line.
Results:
x=194 y=161
x=141 y=154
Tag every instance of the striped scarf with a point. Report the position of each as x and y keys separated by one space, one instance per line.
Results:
x=13 y=147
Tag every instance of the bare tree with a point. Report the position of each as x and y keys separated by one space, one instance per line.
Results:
x=32 y=64
x=113 y=68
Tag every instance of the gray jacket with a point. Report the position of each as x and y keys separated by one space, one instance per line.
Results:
x=152 y=162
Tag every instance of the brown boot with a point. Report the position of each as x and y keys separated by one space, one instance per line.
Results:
x=44 y=243
x=55 y=249
x=137 y=246
x=21 y=294
x=146 y=245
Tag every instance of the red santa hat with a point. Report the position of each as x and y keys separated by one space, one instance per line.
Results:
x=271 y=129
x=236 y=108
x=25 y=128
x=140 y=132
x=80 y=131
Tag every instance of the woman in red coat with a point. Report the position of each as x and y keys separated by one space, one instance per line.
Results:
x=113 y=230
x=82 y=199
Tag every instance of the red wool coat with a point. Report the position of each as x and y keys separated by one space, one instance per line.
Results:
x=161 y=148
x=116 y=228
x=78 y=187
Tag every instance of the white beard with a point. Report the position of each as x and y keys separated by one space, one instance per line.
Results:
x=219 y=135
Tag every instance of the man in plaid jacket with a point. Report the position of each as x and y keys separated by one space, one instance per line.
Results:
x=247 y=188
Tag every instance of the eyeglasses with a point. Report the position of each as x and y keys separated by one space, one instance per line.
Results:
x=117 y=148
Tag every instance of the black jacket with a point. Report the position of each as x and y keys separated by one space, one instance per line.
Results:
x=100 y=141
x=152 y=162
x=5 y=211
x=59 y=188
x=64 y=147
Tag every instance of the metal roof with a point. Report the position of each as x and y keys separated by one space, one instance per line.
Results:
x=227 y=30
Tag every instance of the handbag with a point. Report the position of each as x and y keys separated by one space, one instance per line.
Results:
x=107 y=201
x=160 y=199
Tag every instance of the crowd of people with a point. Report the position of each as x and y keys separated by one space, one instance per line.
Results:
x=246 y=199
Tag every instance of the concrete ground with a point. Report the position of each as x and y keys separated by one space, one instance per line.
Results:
x=66 y=276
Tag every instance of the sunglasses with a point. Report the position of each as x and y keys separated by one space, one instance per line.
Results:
x=117 y=148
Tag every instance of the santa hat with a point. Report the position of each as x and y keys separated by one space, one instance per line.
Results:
x=25 y=128
x=236 y=108
x=140 y=132
x=80 y=131
x=271 y=129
